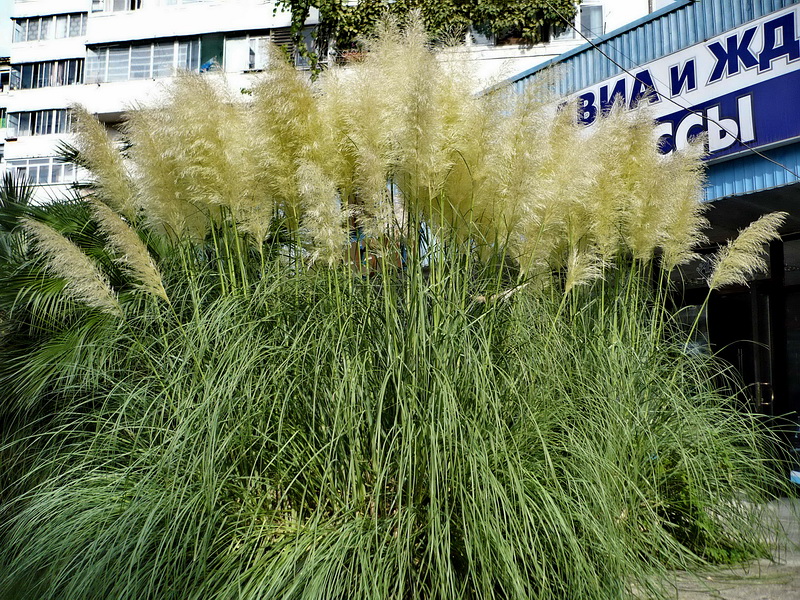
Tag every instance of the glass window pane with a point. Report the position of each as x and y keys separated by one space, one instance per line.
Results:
x=163 y=59
x=33 y=30
x=57 y=172
x=189 y=55
x=20 y=30
x=140 y=62
x=591 y=21
x=60 y=75
x=41 y=122
x=46 y=31
x=24 y=124
x=37 y=123
x=84 y=18
x=45 y=71
x=236 y=54
x=96 y=65
x=118 y=64
x=68 y=173
x=27 y=76
x=212 y=46
x=61 y=26
x=76 y=71
x=39 y=169
x=13 y=121
x=63 y=119
x=75 y=25
x=120 y=5
x=258 y=52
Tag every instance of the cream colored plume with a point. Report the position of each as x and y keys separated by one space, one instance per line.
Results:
x=324 y=218
x=192 y=157
x=682 y=179
x=112 y=182
x=289 y=131
x=133 y=255
x=84 y=281
x=583 y=267
x=745 y=255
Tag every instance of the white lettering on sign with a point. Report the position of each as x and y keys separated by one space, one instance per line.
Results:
x=694 y=77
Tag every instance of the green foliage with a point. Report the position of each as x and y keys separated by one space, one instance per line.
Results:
x=345 y=24
x=330 y=437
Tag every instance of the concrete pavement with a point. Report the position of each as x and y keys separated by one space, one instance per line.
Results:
x=761 y=580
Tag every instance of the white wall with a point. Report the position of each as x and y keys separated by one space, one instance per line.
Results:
x=30 y=8
x=190 y=19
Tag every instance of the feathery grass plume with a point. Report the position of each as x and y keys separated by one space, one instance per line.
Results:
x=582 y=268
x=163 y=199
x=374 y=97
x=647 y=206
x=188 y=162
x=323 y=214
x=427 y=102
x=616 y=195
x=682 y=177
x=84 y=281
x=471 y=181
x=362 y=122
x=745 y=255
x=131 y=251
x=112 y=184
x=289 y=131
x=547 y=192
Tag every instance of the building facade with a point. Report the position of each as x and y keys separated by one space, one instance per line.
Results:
x=729 y=69
x=109 y=55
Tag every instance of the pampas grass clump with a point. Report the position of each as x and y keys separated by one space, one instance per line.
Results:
x=393 y=344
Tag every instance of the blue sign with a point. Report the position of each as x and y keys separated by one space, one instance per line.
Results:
x=742 y=89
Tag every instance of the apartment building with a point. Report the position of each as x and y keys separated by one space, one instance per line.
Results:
x=109 y=55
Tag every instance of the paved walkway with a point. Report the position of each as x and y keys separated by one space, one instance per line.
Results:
x=762 y=580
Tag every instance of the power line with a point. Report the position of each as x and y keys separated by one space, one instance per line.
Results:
x=571 y=24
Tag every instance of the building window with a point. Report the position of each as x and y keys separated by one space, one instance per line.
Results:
x=142 y=61
x=50 y=27
x=591 y=20
x=46 y=74
x=128 y=5
x=40 y=122
x=122 y=5
x=588 y=21
x=43 y=170
x=237 y=52
x=246 y=52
